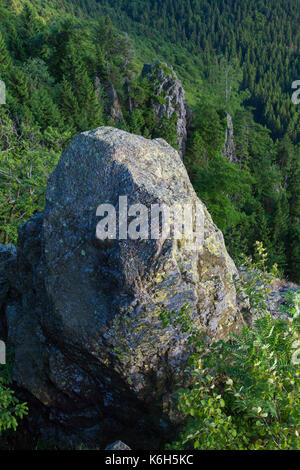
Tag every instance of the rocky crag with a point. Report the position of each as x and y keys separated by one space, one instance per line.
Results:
x=229 y=150
x=167 y=86
x=83 y=314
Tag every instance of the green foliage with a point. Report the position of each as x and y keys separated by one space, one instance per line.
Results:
x=26 y=160
x=245 y=391
x=221 y=184
x=56 y=74
x=229 y=56
x=252 y=196
x=5 y=61
x=57 y=59
x=11 y=410
x=225 y=84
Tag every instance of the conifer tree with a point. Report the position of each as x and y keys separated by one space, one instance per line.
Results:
x=5 y=60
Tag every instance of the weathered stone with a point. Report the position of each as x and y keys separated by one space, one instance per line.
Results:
x=113 y=106
x=118 y=445
x=85 y=326
x=170 y=89
x=276 y=293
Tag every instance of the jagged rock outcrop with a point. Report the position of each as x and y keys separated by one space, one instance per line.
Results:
x=169 y=88
x=113 y=107
x=7 y=254
x=276 y=294
x=84 y=319
x=229 y=144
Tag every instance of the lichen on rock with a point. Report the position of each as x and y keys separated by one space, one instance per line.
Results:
x=85 y=325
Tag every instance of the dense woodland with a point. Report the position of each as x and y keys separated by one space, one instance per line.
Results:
x=58 y=58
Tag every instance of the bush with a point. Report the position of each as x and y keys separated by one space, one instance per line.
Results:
x=245 y=392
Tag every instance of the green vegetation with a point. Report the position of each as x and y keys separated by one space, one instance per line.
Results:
x=27 y=158
x=263 y=37
x=238 y=57
x=11 y=410
x=245 y=391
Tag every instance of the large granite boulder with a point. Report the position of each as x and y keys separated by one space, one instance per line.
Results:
x=85 y=320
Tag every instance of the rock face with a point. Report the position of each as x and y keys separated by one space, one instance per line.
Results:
x=169 y=87
x=111 y=100
x=84 y=318
x=229 y=145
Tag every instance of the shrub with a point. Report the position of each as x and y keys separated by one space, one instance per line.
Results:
x=245 y=392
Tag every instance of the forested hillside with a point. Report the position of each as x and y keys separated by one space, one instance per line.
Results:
x=264 y=37
x=60 y=60
x=105 y=342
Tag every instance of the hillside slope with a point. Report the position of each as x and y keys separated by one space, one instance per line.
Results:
x=190 y=34
x=62 y=69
